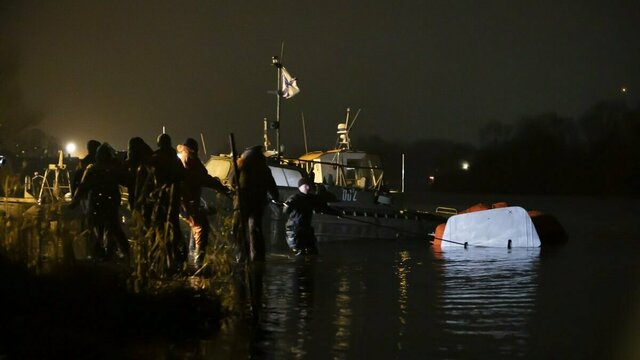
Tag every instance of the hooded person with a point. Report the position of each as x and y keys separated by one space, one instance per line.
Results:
x=92 y=148
x=137 y=165
x=101 y=185
x=90 y=158
x=196 y=178
x=168 y=174
x=299 y=209
x=256 y=186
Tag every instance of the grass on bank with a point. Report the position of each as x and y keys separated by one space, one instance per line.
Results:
x=67 y=305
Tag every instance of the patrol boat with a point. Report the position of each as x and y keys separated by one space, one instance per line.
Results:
x=351 y=181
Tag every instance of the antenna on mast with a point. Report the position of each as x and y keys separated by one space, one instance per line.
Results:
x=282 y=51
x=304 y=132
x=204 y=146
x=354 y=119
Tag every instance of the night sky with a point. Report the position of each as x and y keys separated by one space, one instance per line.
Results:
x=112 y=70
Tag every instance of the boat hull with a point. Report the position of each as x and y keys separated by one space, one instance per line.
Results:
x=373 y=226
x=364 y=215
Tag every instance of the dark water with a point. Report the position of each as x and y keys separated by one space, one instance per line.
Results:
x=402 y=300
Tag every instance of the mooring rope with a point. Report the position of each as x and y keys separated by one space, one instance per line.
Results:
x=351 y=218
x=465 y=244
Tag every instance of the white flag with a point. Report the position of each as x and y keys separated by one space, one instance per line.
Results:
x=289 y=85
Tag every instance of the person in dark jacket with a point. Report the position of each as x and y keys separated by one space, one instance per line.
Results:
x=168 y=173
x=299 y=208
x=92 y=148
x=256 y=187
x=101 y=185
x=196 y=178
x=137 y=165
x=89 y=239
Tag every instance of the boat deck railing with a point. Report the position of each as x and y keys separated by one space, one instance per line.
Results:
x=448 y=211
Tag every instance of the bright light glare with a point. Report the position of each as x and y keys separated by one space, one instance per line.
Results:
x=71 y=148
x=464 y=165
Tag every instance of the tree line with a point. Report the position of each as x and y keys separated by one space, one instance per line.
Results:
x=597 y=153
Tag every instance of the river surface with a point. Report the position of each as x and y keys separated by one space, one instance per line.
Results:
x=403 y=300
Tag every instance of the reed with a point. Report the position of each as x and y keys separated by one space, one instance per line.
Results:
x=47 y=236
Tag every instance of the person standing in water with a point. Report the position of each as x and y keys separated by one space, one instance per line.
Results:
x=196 y=178
x=256 y=187
x=299 y=208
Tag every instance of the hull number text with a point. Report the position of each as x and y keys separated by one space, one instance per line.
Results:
x=349 y=195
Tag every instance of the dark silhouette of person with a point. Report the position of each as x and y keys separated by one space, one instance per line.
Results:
x=90 y=158
x=137 y=165
x=168 y=173
x=101 y=185
x=299 y=208
x=196 y=178
x=256 y=186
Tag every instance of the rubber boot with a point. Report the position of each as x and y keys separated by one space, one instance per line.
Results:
x=198 y=259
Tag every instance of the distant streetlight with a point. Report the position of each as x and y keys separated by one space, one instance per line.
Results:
x=623 y=89
x=71 y=148
x=464 y=165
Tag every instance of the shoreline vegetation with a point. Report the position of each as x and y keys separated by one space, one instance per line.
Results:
x=59 y=302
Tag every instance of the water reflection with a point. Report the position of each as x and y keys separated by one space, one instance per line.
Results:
x=342 y=316
x=402 y=270
x=395 y=300
x=287 y=309
x=488 y=295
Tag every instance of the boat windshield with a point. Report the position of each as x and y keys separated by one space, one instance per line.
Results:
x=219 y=167
x=350 y=169
x=285 y=176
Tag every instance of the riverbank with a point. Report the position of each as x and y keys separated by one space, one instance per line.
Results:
x=88 y=311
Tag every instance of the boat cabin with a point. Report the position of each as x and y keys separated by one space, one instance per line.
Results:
x=345 y=168
x=286 y=176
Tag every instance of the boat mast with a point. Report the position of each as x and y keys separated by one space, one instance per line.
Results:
x=265 y=135
x=275 y=61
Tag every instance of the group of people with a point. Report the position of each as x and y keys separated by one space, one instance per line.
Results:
x=167 y=182
x=161 y=185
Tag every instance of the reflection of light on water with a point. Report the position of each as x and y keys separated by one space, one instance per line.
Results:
x=279 y=307
x=342 y=317
x=489 y=292
x=402 y=270
x=303 y=308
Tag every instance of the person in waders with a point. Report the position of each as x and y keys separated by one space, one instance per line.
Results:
x=299 y=208
x=196 y=178
x=168 y=174
x=256 y=187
